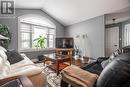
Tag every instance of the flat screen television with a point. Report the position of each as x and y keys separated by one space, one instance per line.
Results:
x=64 y=43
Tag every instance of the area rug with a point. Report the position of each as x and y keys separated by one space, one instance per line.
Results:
x=52 y=78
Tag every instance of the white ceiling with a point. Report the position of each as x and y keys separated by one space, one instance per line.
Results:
x=69 y=12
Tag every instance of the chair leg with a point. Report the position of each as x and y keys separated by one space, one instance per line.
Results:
x=63 y=84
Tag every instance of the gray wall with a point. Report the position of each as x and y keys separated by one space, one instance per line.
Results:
x=91 y=36
x=12 y=23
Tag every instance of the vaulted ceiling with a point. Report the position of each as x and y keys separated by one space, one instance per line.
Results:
x=119 y=16
x=69 y=12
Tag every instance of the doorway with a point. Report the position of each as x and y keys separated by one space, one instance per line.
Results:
x=111 y=40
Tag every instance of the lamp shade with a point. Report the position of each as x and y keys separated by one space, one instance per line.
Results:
x=3 y=37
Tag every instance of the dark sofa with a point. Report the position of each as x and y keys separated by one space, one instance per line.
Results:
x=113 y=71
x=102 y=62
x=116 y=73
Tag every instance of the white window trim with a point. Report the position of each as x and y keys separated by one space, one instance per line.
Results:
x=32 y=49
x=37 y=49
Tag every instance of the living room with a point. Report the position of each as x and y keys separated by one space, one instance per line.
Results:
x=38 y=28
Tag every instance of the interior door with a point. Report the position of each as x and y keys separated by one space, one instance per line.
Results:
x=112 y=40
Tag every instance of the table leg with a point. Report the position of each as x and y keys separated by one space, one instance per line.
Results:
x=57 y=68
x=44 y=61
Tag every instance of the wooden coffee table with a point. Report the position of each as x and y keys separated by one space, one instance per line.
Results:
x=58 y=61
x=80 y=62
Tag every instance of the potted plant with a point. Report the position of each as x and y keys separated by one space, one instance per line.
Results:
x=40 y=42
x=4 y=31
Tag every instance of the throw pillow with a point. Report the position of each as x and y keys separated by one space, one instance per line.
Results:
x=13 y=56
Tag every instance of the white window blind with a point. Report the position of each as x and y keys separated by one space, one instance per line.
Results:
x=25 y=35
x=29 y=32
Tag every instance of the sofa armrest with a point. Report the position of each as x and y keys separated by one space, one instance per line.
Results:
x=3 y=81
x=38 y=80
x=19 y=80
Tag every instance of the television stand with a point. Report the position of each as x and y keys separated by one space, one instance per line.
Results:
x=64 y=51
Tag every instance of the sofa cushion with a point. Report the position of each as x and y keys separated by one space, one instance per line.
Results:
x=13 y=56
x=4 y=64
x=1 y=63
x=2 y=48
x=4 y=68
x=3 y=56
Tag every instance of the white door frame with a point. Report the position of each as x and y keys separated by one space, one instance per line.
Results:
x=111 y=42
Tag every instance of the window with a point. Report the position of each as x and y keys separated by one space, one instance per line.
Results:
x=33 y=27
x=126 y=35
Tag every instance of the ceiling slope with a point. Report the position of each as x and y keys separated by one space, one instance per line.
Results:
x=69 y=12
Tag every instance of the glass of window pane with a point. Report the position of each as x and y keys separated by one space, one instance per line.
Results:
x=51 y=41
x=126 y=35
x=51 y=44
x=26 y=44
x=25 y=40
x=39 y=31
x=25 y=36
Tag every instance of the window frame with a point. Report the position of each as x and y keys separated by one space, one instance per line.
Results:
x=32 y=49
